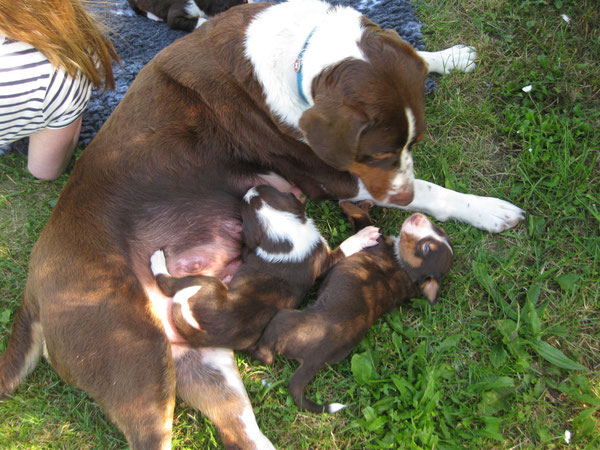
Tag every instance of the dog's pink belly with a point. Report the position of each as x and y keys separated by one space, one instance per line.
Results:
x=218 y=258
x=211 y=246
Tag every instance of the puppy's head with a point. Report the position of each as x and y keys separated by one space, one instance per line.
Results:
x=367 y=114
x=212 y=7
x=272 y=220
x=425 y=252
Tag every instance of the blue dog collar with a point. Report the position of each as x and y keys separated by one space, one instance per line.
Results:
x=298 y=67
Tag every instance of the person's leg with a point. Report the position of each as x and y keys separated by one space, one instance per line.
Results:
x=50 y=150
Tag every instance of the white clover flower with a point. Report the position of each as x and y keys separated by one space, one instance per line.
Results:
x=527 y=88
x=565 y=18
x=567 y=436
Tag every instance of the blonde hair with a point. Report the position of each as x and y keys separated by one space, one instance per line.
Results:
x=64 y=33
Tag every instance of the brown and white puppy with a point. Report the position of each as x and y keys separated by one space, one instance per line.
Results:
x=355 y=293
x=299 y=92
x=183 y=15
x=284 y=255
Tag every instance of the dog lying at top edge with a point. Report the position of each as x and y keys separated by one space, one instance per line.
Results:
x=183 y=15
x=284 y=255
x=354 y=294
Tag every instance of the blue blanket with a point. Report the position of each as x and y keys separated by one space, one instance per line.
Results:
x=138 y=39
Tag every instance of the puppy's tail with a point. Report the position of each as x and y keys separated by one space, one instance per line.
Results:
x=24 y=347
x=298 y=383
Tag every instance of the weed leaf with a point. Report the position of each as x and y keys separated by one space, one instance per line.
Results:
x=567 y=281
x=534 y=321
x=5 y=317
x=498 y=355
x=362 y=368
x=555 y=356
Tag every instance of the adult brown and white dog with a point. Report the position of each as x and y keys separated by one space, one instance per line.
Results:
x=302 y=92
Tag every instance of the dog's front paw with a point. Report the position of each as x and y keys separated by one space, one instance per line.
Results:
x=158 y=263
x=459 y=57
x=492 y=214
x=367 y=237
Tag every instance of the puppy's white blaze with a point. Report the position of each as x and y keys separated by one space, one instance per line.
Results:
x=284 y=226
x=252 y=192
x=275 y=38
x=425 y=230
x=223 y=361
x=335 y=407
x=158 y=264
x=182 y=297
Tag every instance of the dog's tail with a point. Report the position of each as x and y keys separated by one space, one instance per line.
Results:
x=298 y=383
x=24 y=347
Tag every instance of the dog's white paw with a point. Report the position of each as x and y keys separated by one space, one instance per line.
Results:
x=158 y=263
x=367 y=237
x=459 y=57
x=491 y=214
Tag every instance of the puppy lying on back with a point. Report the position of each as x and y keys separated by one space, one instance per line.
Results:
x=284 y=254
x=356 y=292
x=181 y=14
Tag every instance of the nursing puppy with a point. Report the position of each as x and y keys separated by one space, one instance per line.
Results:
x=355 y=293
x=284 y=255
x=182 y=14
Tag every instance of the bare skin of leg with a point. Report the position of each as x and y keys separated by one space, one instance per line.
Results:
x=50 y=150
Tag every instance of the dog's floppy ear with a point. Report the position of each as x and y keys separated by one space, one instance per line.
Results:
x=430 y=288
x=252 y=230
x=333 y=133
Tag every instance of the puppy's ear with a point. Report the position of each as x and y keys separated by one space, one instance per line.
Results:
x=252 y=230
x=333 y=133
x=430 y=288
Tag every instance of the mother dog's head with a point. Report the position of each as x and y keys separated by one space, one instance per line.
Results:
x=367 y=113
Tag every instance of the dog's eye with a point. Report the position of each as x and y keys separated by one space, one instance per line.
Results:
x=426 y=248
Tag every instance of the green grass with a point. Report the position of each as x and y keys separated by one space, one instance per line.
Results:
x=509 y=357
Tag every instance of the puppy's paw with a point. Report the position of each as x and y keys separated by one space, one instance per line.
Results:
x=492 y=214
x=367 y=237
x=459 y=57
x=158 y=263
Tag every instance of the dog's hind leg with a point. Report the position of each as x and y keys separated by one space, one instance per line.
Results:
x=114 y=348
x=208 y=380
x=24 y=347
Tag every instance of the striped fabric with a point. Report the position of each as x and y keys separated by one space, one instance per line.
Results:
x=35 y=95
